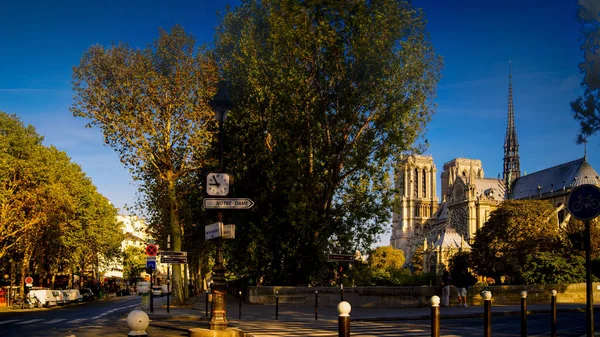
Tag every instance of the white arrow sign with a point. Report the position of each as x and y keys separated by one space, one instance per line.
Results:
x=227 y=203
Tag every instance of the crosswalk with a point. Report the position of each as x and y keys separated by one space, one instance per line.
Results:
x=97 y=320
x=330 y=329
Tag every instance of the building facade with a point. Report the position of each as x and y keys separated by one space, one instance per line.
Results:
x=437 y=230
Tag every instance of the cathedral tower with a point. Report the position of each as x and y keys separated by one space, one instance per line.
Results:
x=512 y=168
x=415 y=179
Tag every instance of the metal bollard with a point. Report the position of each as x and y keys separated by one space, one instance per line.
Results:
x=523 y=314
x=553 y=314
x=344 y=319
x=435 y=316
x=316 y=303
x=240 y=312
x=342 y=292
x=487 y=313
x=206 y=310
x=276 y=305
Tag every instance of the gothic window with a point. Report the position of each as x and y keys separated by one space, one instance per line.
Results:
x=416 y=187
x=460 y=221
x=424 y=184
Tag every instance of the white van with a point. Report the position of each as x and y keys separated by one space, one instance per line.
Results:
x=142 y=287
x=45 y=296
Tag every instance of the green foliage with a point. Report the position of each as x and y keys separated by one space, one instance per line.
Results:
x=586 y=108
x=386 y=257
x=516 y=230
x=326 y=97
x=552 y=268
x=134 y=262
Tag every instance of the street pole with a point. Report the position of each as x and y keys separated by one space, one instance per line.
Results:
x=589 y=307
x=168 y=273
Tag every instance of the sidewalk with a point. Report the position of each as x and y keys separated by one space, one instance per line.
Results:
x=193 y=315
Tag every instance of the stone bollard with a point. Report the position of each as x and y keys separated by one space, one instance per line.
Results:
x=487 y=313
x=316 y=303
x=435 y=316
x=553 y=314
x=523 y=314
x=344 y=319
x=138 y=322
x=276 y=305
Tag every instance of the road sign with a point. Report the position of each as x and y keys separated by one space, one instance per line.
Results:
x=151 y=264
x=340 y=258
x=151 y=250
x=150 y=258
x=174 y=260
x=29 y=281
x=228 y=232
x=584 y=202
x=213 y=230
x=227 y=203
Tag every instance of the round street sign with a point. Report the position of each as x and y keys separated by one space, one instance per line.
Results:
x=151 y=250
x=584 y=202
x=29 y=280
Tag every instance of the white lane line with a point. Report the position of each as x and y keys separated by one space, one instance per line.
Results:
x=10 y=321
x=31 y=321
x=55 y=321
x=79 y=320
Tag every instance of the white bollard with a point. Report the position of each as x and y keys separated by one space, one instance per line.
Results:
x=138 y=322
x=344 y=309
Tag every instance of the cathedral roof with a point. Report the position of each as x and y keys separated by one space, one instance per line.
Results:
x=450 y=239
x=567 y=175
x=490 y=188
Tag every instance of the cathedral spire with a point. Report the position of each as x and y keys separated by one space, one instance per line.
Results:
x=512 y=168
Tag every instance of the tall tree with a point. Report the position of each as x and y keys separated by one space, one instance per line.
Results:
x=327 y=94
x=586 y=108
x=152 y=107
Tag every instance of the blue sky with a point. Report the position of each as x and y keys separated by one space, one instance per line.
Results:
x=40 y=42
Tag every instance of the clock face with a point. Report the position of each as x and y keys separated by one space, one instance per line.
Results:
x=217 y=184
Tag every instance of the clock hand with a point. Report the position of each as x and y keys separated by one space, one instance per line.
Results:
x=216 y=183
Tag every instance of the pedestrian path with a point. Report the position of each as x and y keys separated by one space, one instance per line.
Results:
x=96 y=320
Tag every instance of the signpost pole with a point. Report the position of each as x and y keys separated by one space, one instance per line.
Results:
x=168 y=274
x=589 y=307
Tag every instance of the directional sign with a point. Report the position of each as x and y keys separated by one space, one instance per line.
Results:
x=213 y=230
x=341 y=258
x=584 y=202
x=228 y=232
x=174 y=260
x=173 y=254
x=227 y=203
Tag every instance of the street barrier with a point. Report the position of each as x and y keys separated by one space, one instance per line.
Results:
x=487 y=314
x=316 y=303
x=276 y=305
x=342 y=292
x=240 y=311
x=206 y=309
x=523 y=314
x=138 y=322
x=344 y=319
x=435 y=316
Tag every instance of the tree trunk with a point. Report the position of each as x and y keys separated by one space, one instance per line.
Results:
x=177 y=282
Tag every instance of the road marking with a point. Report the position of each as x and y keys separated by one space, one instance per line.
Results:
x=55 y=321
x=31 y=321
x=10 y=321
x=79 y=320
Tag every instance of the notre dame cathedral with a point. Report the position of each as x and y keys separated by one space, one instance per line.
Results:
x=423 y=224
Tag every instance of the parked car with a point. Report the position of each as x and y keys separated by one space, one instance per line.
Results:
x=157 y=291
x=86 y=294
x=45 y=296
x=74 y=295
x=123 y=292
x=61 y=299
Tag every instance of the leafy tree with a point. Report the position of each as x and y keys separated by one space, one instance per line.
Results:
x=514 y=231
x=416 y=260
x=326 y=96
x=152 y=107
x=552 y=268
x=586 y=108
x=385 y=265
x=134 y=262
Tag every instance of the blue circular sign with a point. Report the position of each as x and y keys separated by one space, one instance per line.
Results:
x=584 y=202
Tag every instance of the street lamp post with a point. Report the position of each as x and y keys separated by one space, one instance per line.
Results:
x=218 y=320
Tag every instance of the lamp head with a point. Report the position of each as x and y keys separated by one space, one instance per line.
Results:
x=221 y=103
